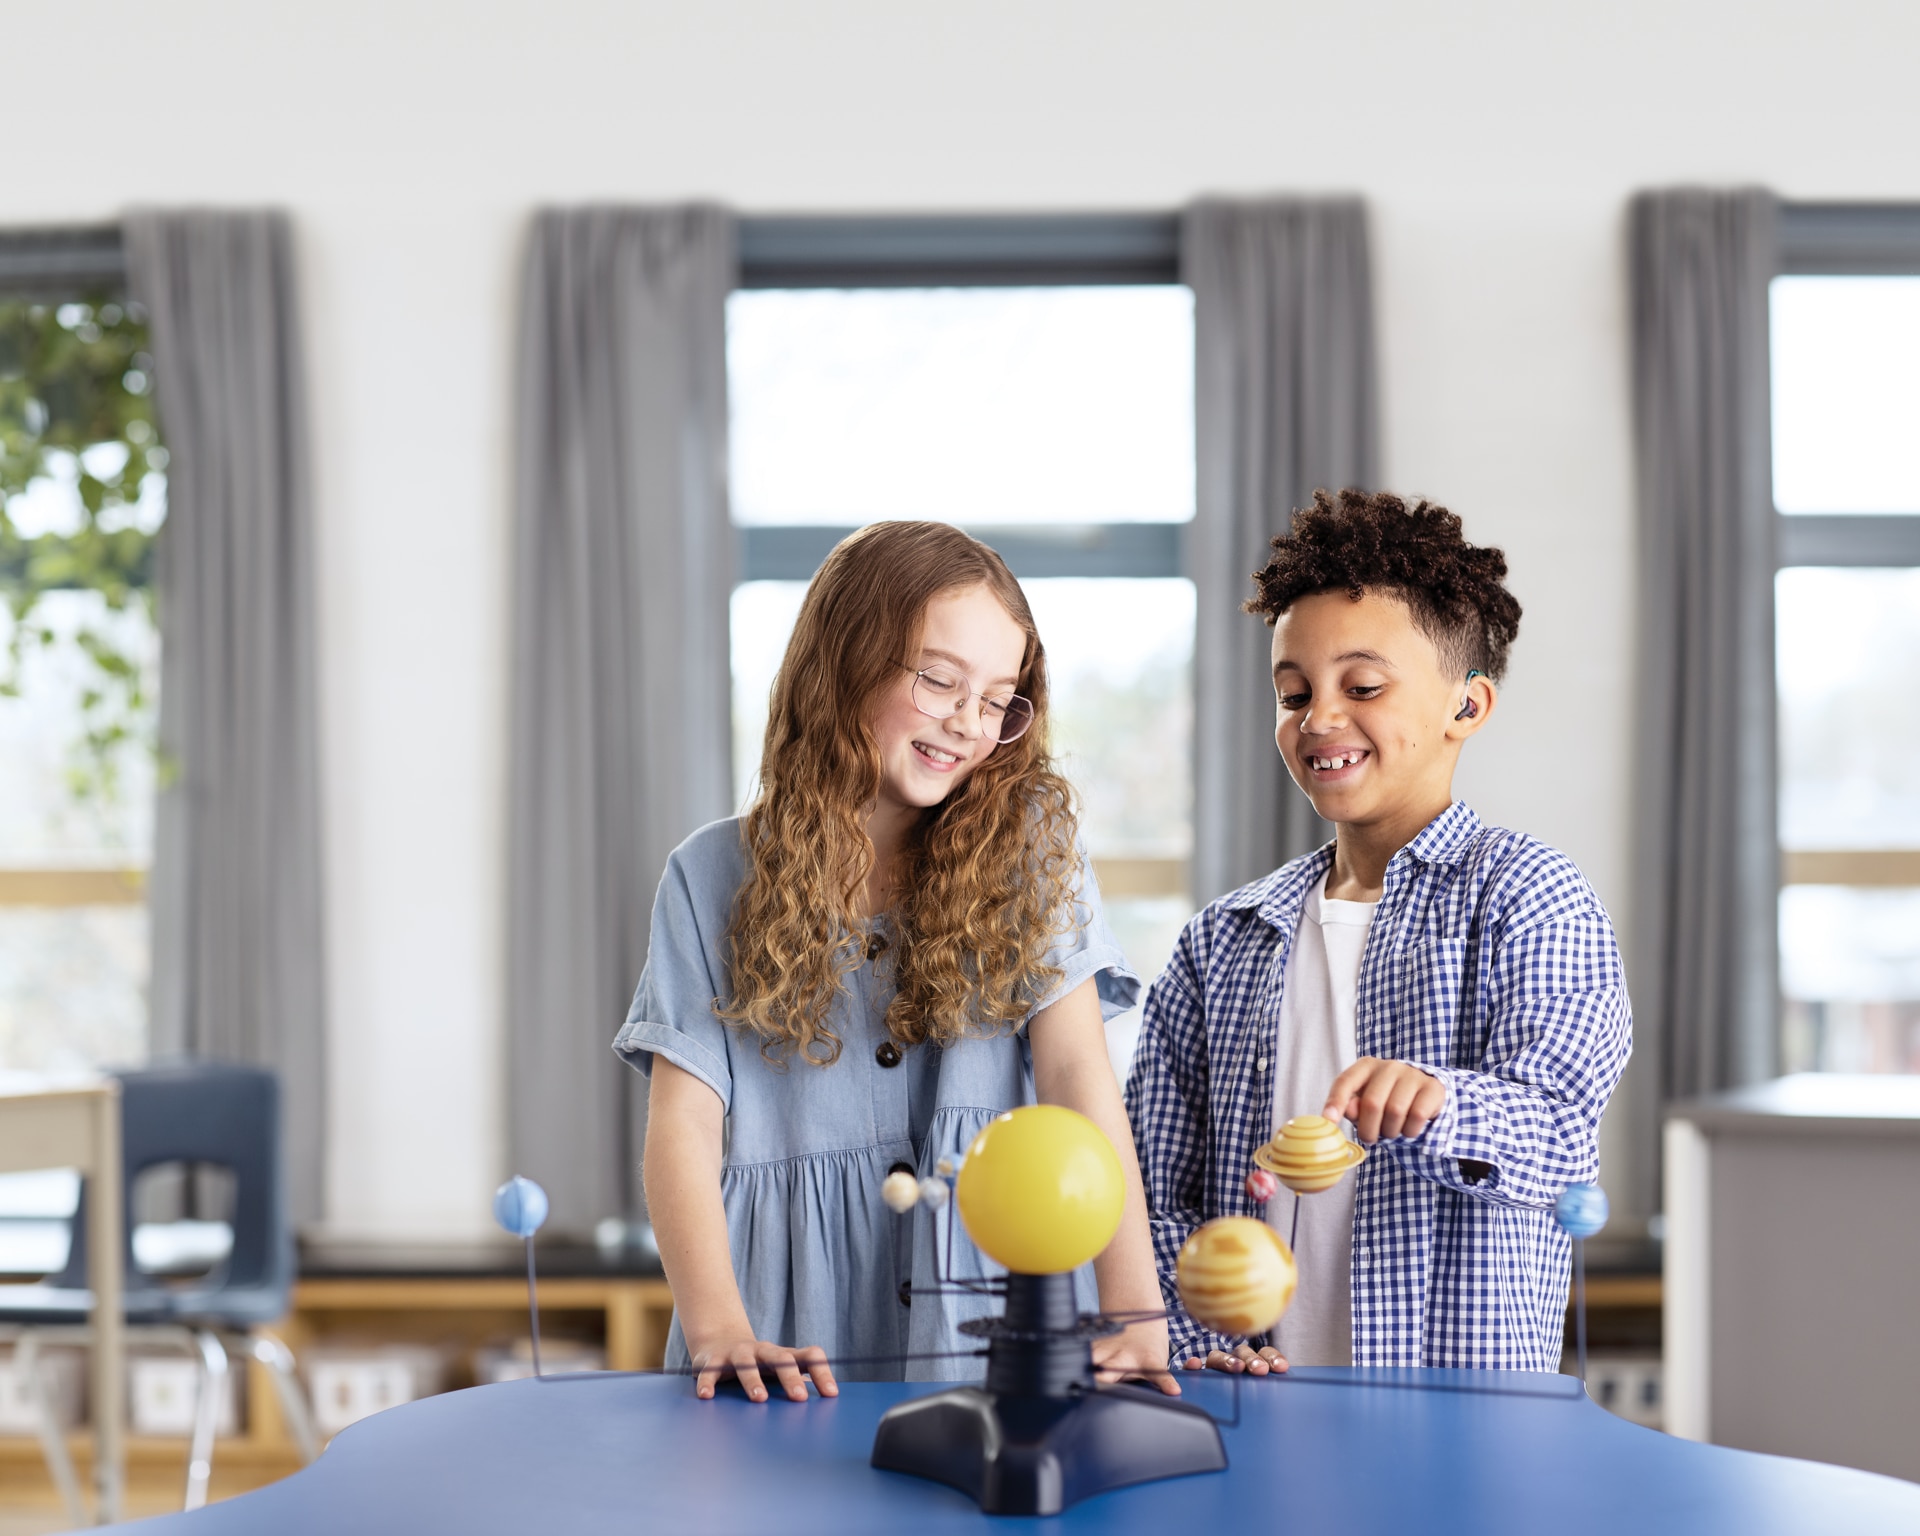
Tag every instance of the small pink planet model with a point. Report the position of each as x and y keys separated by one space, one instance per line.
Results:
x=1261 y=1186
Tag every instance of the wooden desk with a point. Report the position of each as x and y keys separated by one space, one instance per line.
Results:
x=75 y=1123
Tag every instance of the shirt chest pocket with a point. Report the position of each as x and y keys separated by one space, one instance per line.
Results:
x=1428 y=989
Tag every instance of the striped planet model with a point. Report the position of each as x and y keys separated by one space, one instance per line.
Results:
x=1236 y=1276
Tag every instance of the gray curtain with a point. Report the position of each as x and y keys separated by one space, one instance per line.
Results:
x=1285 y=403
x=622 y=736
x=238 y=958
x=1706 y=878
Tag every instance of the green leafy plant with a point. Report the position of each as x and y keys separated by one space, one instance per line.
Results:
x=79 y=506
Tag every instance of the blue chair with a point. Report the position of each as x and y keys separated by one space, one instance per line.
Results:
x=192 y=1112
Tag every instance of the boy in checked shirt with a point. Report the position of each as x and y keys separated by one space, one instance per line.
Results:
x=1451 y=989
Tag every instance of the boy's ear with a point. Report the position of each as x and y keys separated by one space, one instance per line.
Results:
x=1477 y=701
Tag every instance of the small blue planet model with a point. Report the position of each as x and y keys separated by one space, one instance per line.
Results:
x=520 y=1206
x=1581 y=1209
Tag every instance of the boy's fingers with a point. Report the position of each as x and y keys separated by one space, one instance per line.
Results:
x=704 y=1383
x=1345 y=1086
x=1193 y=1363
x=1396 y=1120
x=1372 y=1102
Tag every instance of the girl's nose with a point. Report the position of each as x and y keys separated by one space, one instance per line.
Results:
x=967 y=720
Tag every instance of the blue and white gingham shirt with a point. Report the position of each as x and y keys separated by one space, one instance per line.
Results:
x=1491 y=965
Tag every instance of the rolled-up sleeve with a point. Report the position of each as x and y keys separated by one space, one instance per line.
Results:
x=1526 y=1120
x=673 y=1008
x=1088 y=948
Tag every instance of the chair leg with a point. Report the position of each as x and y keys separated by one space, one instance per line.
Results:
x=53 y=1444
x=206 y=1413
x=273 y=1353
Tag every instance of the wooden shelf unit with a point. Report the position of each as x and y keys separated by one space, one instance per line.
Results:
x=627 y=1316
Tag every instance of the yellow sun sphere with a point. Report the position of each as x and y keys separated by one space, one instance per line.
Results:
x=1041 y=1190
x=1236 y=1276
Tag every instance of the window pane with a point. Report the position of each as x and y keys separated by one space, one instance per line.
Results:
x=72 y=987
x=1120 y=662
x=1850 y=970
x=1849 y=671
x=1849 y=675
x=1846 y=394
x=763 y=616
x=43 y=821
x=82 y=492
x=976 y=406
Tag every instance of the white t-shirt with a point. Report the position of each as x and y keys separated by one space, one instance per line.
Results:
x=1316 y=1045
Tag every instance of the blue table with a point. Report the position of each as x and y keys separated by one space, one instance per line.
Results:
x=1346 y=1453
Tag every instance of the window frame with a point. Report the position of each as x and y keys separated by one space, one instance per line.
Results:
x=1076 y=250
x=979 y=251
x=1848 y=240
x=47 y=263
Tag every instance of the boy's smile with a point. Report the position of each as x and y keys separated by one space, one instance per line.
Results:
x=1365 y=707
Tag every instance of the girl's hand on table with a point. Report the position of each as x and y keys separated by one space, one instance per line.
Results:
x=747 y=1358
x=1255 y=1362
x=1136 y=1353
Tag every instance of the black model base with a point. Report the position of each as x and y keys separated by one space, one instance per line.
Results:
x=1035 y=1456
x=1042 y=1435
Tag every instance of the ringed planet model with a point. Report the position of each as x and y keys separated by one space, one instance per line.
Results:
x=1309 y=1154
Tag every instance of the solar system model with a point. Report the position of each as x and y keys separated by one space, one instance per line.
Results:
x=1040 y=1192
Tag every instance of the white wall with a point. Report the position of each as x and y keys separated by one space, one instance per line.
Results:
x=1497 y=144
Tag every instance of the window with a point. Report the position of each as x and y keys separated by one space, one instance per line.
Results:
x=1845 y=319
x=82 y=490
x=1032 y=382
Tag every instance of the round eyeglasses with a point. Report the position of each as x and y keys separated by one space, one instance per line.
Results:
x=940 y=693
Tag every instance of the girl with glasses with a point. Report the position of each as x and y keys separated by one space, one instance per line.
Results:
x=898 y=941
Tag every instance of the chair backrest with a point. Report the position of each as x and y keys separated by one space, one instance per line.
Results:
x=203 y=1111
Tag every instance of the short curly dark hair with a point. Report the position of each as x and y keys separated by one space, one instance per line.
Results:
x=1358 y=541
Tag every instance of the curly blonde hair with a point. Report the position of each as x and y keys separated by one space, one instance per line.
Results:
x=988 y=877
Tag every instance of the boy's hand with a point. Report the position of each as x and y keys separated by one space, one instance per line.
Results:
x=746 y=1358
x=1246 y=1358
x=1385 y=1098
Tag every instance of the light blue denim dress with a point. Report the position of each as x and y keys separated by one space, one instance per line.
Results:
x=819 y=1258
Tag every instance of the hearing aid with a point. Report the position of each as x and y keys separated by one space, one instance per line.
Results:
x=1468 y=709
